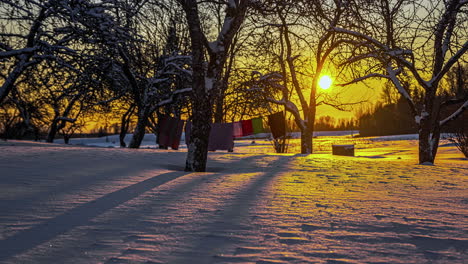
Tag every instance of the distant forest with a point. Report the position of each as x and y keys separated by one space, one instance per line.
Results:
x=391 y=114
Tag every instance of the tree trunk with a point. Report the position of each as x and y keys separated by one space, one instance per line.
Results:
x=306 y=140
x=206 y=84
x=219 y=109
x=202 y=111
x=427 y=147
x=425 y=151
x=52 y=131
x=429 y=137
x=202 y=105
x=307 y=133
x=198 y=146
x=140 y=128
x=123 y=133
x=428 y=124
x=124 y=124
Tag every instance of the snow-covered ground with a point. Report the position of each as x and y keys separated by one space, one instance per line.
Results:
x=81 y=204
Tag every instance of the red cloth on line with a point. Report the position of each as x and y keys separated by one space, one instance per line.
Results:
x=169 y=132
x=247 y=128
x=237 y=126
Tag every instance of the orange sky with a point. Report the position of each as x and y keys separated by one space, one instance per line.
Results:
x=369 y=91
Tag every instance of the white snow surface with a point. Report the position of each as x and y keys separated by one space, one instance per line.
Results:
x=81 y=204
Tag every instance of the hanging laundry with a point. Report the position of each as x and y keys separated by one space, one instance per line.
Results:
x=257 y=125
x=277 y=124
x=221 y=136
x=177 y=135
x=169 y=132
x=247 y=128
x=237 y=126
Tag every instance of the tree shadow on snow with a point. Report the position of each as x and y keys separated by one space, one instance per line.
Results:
x=81 y=215
x=78 y=216
x=174 y=167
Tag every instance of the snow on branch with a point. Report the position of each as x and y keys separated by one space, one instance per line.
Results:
x=178 y=57
x=360 y=57
x=12 y=53
x=449 y=64
x=393 y=77
x=396 y=54
x=290 y=107
x=362 y=78
x=361 y=36
x=453 y=101
x=399 y=52
x=455 y=114
x=271 y=79
x=155 y=81
x=66 y=119
x=209 y=83
x=177 y=67
x=172 y=96
x=235 y=14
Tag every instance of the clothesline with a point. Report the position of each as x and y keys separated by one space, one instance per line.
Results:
x=221 y=134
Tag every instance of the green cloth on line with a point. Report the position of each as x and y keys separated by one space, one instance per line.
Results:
x=257 y=124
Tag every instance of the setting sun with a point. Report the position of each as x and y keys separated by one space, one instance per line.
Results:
x=325 y=82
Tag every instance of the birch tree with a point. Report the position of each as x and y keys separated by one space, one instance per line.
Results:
x=207 y=73
x=411 y=39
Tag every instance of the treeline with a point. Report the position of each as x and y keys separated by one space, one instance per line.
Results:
x=394 y=119
x=392 y=114
x=387 y=119
x=328 y=123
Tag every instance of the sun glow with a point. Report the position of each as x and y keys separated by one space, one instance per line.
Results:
x=325 y=82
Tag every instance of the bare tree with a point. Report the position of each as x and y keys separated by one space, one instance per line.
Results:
x=22 y=116
x=207 y=76
x=33 y=31
x=408 y=39
x=293 y=30
x=157 y=91
x=153 y=70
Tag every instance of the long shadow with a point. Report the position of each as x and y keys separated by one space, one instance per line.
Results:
x=67 y=186
x=215 y=170
x=29 y=201
x=80 y=215
x=234 y=210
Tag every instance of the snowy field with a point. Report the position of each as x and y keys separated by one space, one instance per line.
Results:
x=81 y=204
